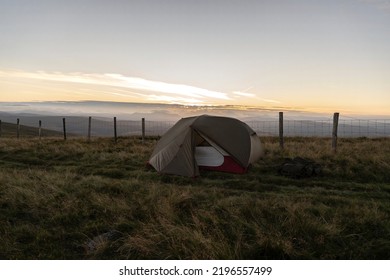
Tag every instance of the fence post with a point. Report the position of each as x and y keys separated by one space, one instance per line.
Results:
x=334 y=132
x=89 y=128
x=64 y=127
x=0 y=128
x=281 y=140
x=17 y=128
x=143 y=130
x=115 y=134
x=40 y=129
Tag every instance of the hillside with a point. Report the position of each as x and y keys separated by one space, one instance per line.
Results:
x=78 y=200
x=10 y=130
x=77 y=126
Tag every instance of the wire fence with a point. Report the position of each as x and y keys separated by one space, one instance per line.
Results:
x=73 y=127
x=348 y=128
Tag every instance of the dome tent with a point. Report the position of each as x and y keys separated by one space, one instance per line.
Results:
x=206 y=142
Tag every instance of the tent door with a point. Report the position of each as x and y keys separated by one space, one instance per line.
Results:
x=209 y=155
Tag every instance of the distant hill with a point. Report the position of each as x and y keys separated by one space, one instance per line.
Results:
x=131 y=125
x=78 y=125
x=10 y=130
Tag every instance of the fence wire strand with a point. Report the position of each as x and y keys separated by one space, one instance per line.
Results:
x=103 y=127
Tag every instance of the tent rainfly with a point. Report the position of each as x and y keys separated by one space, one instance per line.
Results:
x=206 y=142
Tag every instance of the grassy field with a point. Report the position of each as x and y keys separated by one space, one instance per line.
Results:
x=78 y=200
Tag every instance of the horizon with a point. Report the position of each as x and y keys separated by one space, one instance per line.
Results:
x=313 y=57
x=164 y=111
x=158 y=118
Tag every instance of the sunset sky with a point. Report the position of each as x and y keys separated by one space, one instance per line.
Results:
x=314 y=55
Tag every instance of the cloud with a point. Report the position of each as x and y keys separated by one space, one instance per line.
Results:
x=244 y=94
x=156 y=86
x=172 y=92
x=269 y=100
x=172 y=99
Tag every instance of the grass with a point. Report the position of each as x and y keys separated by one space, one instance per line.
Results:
x=98 y=200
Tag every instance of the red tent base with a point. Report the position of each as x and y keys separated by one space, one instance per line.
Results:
x=229 y=165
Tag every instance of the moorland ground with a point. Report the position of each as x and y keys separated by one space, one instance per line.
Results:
x=98 y=200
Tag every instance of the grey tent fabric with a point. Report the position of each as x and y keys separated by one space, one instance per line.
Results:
x=174 y=152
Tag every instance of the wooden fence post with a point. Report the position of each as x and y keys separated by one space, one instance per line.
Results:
x=281 y=140
x=89 y=128
x=0 y=128
x=334 y=132
x=143 y=130
x=40 y=129
x=64 y=127
x=115 y=132
x=17 y=128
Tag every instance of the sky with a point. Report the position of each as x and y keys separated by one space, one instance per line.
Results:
x=314 y=55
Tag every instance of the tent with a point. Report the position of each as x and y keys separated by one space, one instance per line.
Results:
x=206 y=142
